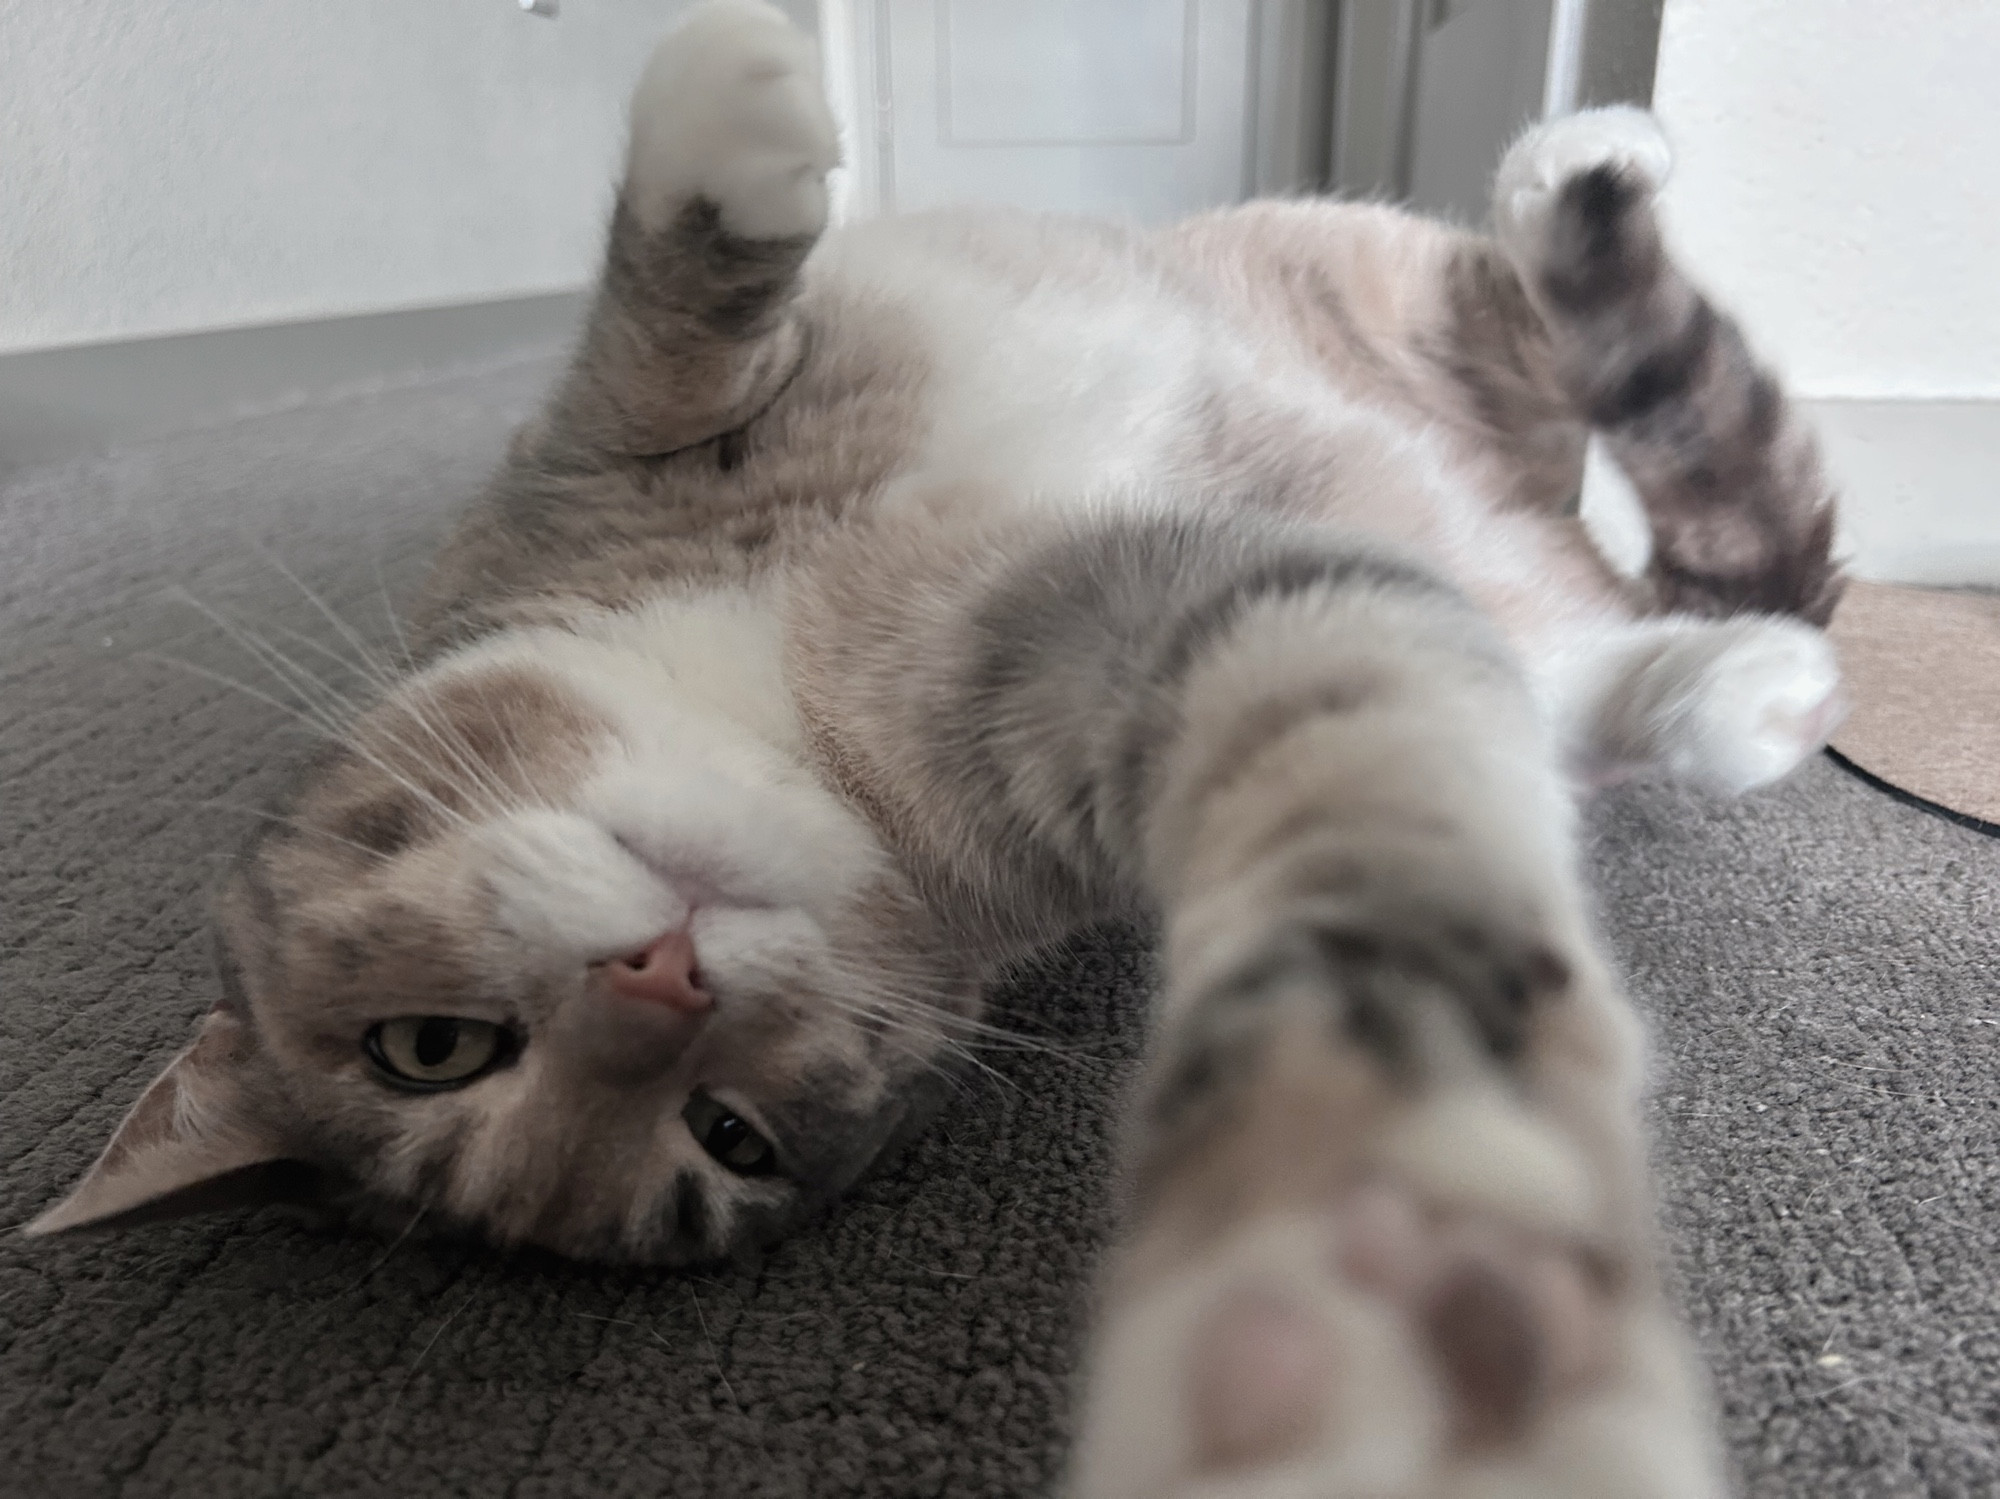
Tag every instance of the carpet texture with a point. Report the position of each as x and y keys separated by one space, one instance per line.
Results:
x=1819 y=964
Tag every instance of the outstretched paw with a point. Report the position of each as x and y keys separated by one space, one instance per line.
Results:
x=730 y=110
x=1398 y=1340
x=1541 y=163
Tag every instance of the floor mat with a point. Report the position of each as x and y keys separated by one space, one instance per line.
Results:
x=1923 y=670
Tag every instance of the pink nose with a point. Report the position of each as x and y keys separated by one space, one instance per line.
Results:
x=664 y=973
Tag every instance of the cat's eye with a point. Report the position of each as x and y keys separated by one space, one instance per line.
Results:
x=436 y=1051
x=728 y=1137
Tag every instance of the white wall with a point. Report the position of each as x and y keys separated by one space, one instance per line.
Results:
x=1838 y=183
x=167 y=165
x=1840 y=177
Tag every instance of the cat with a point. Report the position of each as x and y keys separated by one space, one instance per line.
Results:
x=870 y=607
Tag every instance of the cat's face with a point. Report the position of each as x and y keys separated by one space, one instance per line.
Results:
x=555 y=948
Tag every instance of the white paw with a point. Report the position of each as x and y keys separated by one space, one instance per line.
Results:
x=1768 y=697
x=730 y=109
x=1539 y=163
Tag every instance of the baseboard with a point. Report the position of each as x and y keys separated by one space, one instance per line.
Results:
x=61 y=403
x=1920 y=487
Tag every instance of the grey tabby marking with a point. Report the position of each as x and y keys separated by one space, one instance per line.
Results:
x=1742 y=515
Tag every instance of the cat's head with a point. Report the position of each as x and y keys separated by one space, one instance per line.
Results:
x=562 y=943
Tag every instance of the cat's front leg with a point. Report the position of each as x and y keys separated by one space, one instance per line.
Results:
x=692 y=332
x=730 y=113
x=1391 y=1228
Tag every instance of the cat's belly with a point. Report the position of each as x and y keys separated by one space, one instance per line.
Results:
x=1070 y=373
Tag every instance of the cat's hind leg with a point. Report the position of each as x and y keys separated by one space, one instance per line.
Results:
x=1740 y=510
x=692 y=332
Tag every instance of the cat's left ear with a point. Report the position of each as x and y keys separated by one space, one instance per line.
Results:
x=191 y=1144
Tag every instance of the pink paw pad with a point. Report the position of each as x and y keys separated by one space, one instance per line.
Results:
x=1509 y=1321
x=1512 y=1318
x=1266 y=1367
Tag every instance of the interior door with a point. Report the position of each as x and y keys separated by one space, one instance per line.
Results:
x=1141 y=108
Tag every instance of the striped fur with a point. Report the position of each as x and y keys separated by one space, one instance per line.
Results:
x=1742 y=513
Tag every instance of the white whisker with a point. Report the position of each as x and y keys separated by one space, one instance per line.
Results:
x=409 y=660
x=325 y=699
x=282 y=821
x=366 y=666
x=318 y=726
x=347 y=632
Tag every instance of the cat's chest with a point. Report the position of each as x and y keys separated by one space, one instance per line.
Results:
x=719 y=650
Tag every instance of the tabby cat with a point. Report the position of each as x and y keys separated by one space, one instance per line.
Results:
x=868 y=609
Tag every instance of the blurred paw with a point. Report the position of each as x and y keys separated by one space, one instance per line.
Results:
x=1768 y=698
x=730 y=109
x=1401 y=1339
x=1541 y=163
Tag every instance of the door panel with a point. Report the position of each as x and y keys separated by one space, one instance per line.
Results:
x=1136 y=107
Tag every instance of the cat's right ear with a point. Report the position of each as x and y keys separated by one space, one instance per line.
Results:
x=191 y=1144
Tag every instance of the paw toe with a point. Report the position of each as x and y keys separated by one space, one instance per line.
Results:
x=1263 y=1370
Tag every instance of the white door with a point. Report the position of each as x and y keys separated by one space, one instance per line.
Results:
x=1134 y=107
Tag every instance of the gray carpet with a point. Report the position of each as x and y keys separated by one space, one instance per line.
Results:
x=1820 y=964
